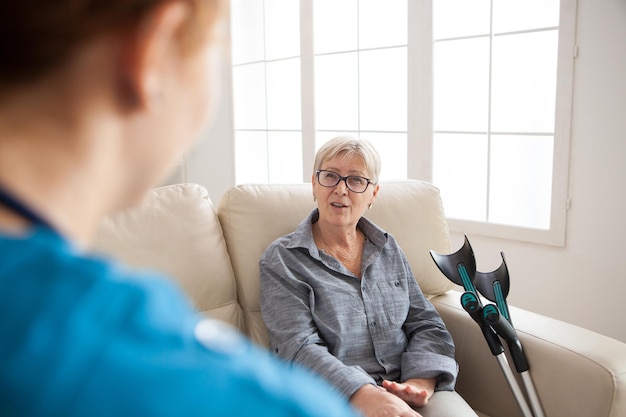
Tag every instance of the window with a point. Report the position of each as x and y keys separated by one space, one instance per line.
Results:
x=360 y=75
x=462 y=93
x=266 y=90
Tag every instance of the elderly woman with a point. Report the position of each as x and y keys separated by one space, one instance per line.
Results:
x=97 y=99
x=338 y=296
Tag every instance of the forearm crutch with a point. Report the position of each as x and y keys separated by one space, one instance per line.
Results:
x=471 y=304
x=460 y=268
x=494 y=286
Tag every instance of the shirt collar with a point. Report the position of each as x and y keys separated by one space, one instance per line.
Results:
x=302 y=237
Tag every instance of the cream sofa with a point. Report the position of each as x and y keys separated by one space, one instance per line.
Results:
x=214 y=255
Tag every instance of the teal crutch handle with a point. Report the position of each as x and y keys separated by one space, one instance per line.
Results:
x=505 y=330
x=472 y=305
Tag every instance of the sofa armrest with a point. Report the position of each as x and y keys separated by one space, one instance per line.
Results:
x=576 y=372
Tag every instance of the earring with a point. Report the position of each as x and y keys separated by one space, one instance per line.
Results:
x=314 y=198
x=369 y=206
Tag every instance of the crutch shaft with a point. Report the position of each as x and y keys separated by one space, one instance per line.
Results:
x=514 y=386
x=532 y=394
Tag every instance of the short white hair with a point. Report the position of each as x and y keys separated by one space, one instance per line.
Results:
x=349 y=146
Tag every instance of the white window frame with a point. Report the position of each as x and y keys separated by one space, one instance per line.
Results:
x=420 y=120
x=420 y=135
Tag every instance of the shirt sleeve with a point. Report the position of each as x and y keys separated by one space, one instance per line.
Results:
x=286 y=305
x=430 y=352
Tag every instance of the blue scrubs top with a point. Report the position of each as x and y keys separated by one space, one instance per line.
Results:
x=80 y=336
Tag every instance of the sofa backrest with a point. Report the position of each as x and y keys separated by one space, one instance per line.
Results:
x=215 y=256
x=176 y=231
x=253 y=216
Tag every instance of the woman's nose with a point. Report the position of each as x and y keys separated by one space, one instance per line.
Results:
x=341 y=187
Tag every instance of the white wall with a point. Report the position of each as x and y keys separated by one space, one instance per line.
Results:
x=583 y=283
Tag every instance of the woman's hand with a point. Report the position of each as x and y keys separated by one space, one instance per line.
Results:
x=373 y=401
x=416 y=392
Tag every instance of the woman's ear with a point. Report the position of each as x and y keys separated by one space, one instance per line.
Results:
x=147 y=53
x=375 y=193
x=313 y=187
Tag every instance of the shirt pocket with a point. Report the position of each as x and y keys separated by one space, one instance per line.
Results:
x=394 y=300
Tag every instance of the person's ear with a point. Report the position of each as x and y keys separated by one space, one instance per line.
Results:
x=375 y=193
x=147 y=52
x=313 y=187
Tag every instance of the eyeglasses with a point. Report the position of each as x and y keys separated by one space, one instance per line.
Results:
x=354 y=183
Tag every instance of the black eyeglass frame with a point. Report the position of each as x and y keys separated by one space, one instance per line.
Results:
x=344 y=179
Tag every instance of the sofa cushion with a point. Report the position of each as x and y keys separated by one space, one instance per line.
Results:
x=253 y=216
x=176 y=231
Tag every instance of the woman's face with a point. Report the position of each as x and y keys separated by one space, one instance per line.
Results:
x=338 y=206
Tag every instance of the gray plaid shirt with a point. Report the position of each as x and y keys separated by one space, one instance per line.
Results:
x=352 y=331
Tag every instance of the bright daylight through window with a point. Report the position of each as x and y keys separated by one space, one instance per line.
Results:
x=479 y=79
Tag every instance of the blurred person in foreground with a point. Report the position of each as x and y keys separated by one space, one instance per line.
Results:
x=338 y=296
x=97 y=99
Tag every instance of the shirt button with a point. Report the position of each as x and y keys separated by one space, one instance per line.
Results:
x=397 y=283
x=373 y=324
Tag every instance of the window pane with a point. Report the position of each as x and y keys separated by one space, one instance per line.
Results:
x=247 y=31
x=456 y=18
x=382 y=23
x=283 y=94
x=521 y=180
x=251 y=161
x=249 y=96
x=335 y=25
x=514 y=15
x=383 y=93
x=282 y=28
x=336 y=92
x=461 y=85
x=285 y=157
x=392 y=150
x=460 y=172
x=524 y=82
